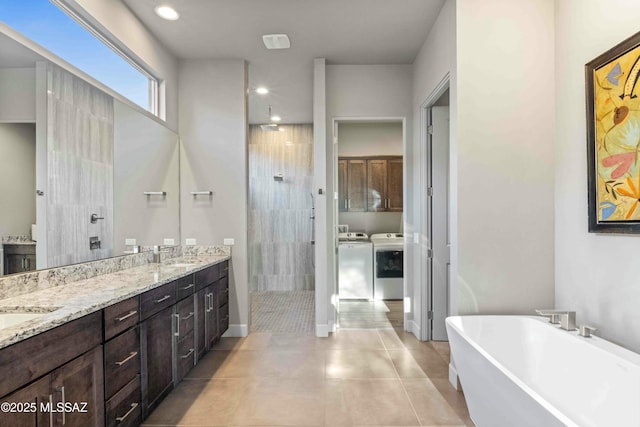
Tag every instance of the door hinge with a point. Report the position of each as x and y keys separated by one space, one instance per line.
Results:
x=430 y=315
x=430 y=129
x=430 y=191
x=429 y=253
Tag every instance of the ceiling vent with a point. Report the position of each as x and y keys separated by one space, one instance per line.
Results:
x=276 y=41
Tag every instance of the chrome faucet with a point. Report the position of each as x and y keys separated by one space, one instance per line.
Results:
x=566 y=319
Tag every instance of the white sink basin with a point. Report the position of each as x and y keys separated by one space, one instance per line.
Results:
x=10 y=319
x=181 y=265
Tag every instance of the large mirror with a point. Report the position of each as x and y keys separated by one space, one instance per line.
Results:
x=83 y=175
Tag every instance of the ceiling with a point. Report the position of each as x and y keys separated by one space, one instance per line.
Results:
x=342 y=31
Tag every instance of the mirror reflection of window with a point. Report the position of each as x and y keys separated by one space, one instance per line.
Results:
x=49 y=26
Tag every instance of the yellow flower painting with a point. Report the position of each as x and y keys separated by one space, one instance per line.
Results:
x=613 y=80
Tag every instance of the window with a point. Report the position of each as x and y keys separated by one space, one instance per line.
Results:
x=49 y=26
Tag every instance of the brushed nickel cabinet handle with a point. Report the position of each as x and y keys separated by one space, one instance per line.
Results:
x=64 y=415
x=188 y=354
x=131 y=356
x=51 y=410
x=164 y=298
x=187 y=287
x=124 y=417
x=177 y=332
x=348 y=203
x=206 y=303
x=188 y=317
x=126 y=316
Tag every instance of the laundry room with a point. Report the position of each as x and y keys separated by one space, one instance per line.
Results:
x=370 y=218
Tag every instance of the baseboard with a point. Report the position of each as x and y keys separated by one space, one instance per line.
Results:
x=453 y=377
x=322 y=331
x=236 y=331
x=414 y=328
x=332 y=326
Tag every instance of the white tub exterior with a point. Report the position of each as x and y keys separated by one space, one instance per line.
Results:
x=522 y=371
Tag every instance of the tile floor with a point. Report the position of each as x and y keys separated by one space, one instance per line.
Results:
x=283 y=311
x=370 y=314
x=381 y=377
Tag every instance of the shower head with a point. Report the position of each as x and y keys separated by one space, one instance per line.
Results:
x=270 y=127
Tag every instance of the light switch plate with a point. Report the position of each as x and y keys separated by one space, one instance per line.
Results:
x=190 y=242
x=229 y=241
x=169 y=242
x=130 y=242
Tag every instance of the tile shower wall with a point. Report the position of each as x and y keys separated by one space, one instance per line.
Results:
x=280 y=227
x=80 y=169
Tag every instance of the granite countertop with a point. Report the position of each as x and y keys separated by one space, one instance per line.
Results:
x=62 y=304
x=21 y=243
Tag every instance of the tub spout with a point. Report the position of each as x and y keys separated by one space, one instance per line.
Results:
x=566 y=319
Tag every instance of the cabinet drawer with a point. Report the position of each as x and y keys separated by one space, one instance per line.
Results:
x=207 y=276
x=185 y=355
x=224 y=268
x=155 y=300
x=120 y=317
x=185 y=287
x=47 y=351
x=121 y=361
x=223 y=315
x=186 y=317
x=223 y=294
x=124 y=409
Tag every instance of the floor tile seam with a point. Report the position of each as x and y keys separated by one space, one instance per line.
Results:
x=303 y=377
x=406 y=393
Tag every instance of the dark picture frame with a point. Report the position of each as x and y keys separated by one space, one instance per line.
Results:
x=613 y=122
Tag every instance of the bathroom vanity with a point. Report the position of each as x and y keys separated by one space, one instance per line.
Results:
x=109 y=348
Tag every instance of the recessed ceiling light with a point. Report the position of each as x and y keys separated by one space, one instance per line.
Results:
x=276 y=118
x=276 y=41
x=288 y=143
x=167 y=12
x=262 y=90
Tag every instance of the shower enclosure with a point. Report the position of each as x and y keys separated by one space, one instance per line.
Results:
x=281 y=228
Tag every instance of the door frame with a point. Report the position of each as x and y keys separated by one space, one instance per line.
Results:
x=426 y=274
x=333 y=234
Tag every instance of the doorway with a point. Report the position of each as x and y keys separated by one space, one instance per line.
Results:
x=369 y=194
x=436 y=269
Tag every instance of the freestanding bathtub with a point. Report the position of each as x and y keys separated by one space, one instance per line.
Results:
x=519 y=371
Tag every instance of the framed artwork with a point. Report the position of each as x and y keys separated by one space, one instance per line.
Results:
x=613 y=139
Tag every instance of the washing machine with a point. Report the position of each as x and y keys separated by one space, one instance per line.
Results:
x=388 y=270
x=355 y=266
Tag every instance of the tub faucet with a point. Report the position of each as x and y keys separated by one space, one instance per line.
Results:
x=566 y=319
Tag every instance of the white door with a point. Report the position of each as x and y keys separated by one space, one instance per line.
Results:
x=440 y=241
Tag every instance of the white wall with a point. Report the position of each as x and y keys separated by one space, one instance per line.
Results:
x=114 y=18
x=370 y=139
x=366 y=91
x=505 y=114
x=213 y=157
x=17 y=178
x=17 y=95
x=596 y=274
x=435 y=61
x=145 y=158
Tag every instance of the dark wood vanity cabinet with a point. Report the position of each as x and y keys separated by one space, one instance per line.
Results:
x=121 y=361
x=19 y=258
x=64 y=367
x=157 y=361
x=76 y=383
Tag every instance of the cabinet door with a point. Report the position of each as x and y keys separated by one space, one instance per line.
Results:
x=13 y=264
x=377 y=185
x=157 y=368
x=33 y=394
x=342 y=185
x=76 y=383
x=201 y=313
x=357 y=185
x=394 y=186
